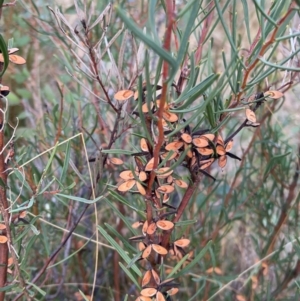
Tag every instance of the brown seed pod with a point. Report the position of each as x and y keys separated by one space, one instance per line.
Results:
x=220 y=140
x=159 y=249
x=172 y=156
x=146 y=279
x=200 y=142
x=205 y=151
x=273 y=94
x=189 y=152
x=250 y=115
x=148 y=292
x=149 y=165
x=116 y=161
x=165 y=225
x=123 y=95
x=140 y=188
x=167 y=282
x=141 y=246
x=220 y=150
x=145 y=107
x=169 y=179
x=137 y=224
x=126 y=175
x=182 y=243
x=144 y=145
x=160 y=297
x=186 y=138
x=173 y=291
x=136 y=95
x=16 y=59
x=145 y=227
x=164 y=172
x=181 y=183
x=214 y=270
x=210 y=137
x=206 y=163
x=222 y=161
x=171 y=117
x=165 y=189
x=166 y=198
x=126 y=185
x=174 y=146
x=146 y=252
x=229 y=145
x=151 y=229
x=155 y=277
x=142 y=176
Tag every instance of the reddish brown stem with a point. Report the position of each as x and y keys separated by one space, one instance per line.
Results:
x=163 y=101
x=261 y=53
x=203 y=34
x=181 y=208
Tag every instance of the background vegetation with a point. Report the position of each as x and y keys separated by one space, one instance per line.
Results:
x=73 y=243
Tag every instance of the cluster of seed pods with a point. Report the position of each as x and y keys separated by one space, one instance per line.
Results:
x=197 y=151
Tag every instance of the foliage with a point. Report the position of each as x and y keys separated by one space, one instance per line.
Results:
x=156 y=151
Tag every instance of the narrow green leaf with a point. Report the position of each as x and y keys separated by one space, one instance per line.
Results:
x=123 y=239
x=147 y=40
x=136 y=258
x=274 y=161
x=121 y=199
x=188 y=27
x=66 y=162
x=3 y=48
x=129 y=274
x=246 y=18
x=185 y=9
x=117 y=152
x=11 y=287
x=220 y=13
x=151 y=20
x=294 y=35
x=42 y=292
x=262 y=11
x=79 y=199
x=121 y=252
x=46 y=186
x=195 y=92
x=141 y=114
x=70 y=256
x=186 y=223
x=281 y=67
x=121 y=216
x=178 y=266
x=83 y=295
x=50 y=159
x=210 y=114
x=23 y=207
x=195 y=260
